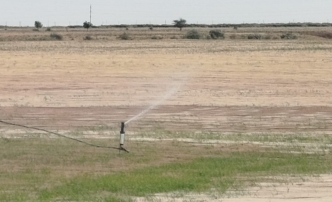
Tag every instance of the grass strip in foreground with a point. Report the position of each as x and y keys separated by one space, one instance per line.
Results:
x=199 y=175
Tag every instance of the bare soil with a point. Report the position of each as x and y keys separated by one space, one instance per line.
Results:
x=65 y=85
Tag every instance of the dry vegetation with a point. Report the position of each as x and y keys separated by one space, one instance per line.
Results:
x=234 y=91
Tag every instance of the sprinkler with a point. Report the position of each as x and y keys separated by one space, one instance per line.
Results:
x=122 y=137
x=122 y=134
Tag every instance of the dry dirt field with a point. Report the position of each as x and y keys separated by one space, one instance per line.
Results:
x=223 y=86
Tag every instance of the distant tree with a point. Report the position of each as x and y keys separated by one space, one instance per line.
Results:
x=87 y=25
x=38 y=24
x=180 y=23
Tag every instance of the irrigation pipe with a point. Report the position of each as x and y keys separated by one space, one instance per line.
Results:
x=57 y=134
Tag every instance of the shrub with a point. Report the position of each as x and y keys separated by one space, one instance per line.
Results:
x=254 y=36
x=48 y=29
x=124 y=36
x=56 y=36
x=174 y=37
x=235 y=27
x=192 y=34
x=288 y=35
x=88 y=38
x=216 y=34
x=35 y=30
x=151 y=28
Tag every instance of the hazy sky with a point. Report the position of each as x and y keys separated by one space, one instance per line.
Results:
x=66 y=12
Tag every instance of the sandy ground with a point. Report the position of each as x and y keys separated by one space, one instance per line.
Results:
x=224 y=86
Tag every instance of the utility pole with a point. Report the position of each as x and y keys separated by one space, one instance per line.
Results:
x=90 y=13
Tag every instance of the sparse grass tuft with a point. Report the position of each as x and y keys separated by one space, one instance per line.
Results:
x=157 y=37
x=88 y=38
x=288 y=35
x=56 y=36
x=124 y=36
x=255 y=36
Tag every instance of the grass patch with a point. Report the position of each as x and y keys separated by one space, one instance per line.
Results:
x=44 y=169
x=199 y=175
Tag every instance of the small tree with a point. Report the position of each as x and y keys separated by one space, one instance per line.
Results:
x=180 y=23
x=38 y=24
x=87 y=25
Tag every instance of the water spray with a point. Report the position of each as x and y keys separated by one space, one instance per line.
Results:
x=154 y=105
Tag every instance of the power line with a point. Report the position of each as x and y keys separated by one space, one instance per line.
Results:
x=57 y=134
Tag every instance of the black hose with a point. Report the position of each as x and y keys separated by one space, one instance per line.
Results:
x=57 y=134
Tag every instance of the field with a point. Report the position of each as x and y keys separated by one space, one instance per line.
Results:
x=233 y=120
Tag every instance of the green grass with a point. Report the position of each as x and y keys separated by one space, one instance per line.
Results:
x=199 y=175
x=45 y=169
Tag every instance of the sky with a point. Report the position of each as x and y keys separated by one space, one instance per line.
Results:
x=75 y=12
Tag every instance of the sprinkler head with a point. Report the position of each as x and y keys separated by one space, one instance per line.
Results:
x=122 y=135
x=122 y=127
